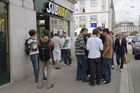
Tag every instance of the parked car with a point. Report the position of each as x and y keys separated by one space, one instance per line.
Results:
x=136 y=45
x=129 y=39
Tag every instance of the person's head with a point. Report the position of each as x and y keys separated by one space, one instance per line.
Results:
x=46 y=34
x=95 y=32
x=84 y=31
x=87 y=36
x=32 y=33
x=120 y=35
x=111 y=33
x=64 y=34
x=100 y=30
x=106 y=32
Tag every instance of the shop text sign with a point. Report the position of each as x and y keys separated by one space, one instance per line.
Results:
x=56 y=10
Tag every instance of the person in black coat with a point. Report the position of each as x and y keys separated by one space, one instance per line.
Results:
x=120 y=50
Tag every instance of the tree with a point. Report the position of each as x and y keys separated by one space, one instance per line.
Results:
x=133 y=33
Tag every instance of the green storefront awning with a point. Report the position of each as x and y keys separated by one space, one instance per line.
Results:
x=6 y=1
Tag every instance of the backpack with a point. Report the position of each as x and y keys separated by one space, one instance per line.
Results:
x=27 y=49
x=44 y=51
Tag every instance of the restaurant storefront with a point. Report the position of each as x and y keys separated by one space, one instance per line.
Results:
x=4 y=48
x=52 y=17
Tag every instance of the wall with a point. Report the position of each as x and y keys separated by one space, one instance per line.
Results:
x=22 y=18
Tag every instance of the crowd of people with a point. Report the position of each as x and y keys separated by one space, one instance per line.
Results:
x=95 y=55
x=44 y=52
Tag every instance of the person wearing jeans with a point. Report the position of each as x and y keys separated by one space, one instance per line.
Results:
x=107 y=56
x=81 y=57
x=120 y=50
x=34 y=53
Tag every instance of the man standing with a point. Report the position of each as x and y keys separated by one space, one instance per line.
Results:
x=57 y=50
x=94 y=46
x=81 y=57
x=120 y=49
x=107 y=56
x=66 y=45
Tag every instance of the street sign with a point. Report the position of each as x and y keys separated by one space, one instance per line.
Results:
x=93 y=25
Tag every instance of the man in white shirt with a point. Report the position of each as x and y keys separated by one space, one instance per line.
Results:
x=66 y=45
x=94 y=46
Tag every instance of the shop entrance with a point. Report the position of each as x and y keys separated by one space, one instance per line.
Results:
x=42 y=24
x=4 y=52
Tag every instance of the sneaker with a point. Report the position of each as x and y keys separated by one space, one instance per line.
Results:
x=112 y=67
x=105 y=82
x=121 y=70
x=50 y=86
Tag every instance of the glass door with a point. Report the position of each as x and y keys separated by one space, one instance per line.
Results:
x=4 y=52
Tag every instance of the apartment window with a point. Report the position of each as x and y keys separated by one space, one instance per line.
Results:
x=104 y=1
x=103 y=7
x=93 y=18
x=103 y=26
x=76 y=18
x=82 y=10
x=93 y=8
x=93 y=2
x=82 y=2
x=82 y=25
x=82 y=18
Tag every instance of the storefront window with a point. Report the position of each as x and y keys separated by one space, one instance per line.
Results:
x=4 y=52
x=59 y=26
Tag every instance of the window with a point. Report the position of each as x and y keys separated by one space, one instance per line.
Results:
x=76 y=10
x=93 y=2
x=104 y=1
x=93 y=18
x=82 y=25
x=103 y=26
x=82 y=10
x=82 y=18
x=93 y=8
x=103 y=7
x=76 y=18
x=82 y=2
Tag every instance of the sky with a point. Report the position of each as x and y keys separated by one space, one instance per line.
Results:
x=124 y=12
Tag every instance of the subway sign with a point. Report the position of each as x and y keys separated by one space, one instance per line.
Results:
x=54 y=9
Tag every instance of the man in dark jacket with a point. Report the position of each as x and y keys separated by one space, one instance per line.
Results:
x=120 y=50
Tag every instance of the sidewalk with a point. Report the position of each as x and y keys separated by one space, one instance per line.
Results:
x=64 y=82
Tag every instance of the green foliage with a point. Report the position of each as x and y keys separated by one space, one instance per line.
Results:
x=133 y=33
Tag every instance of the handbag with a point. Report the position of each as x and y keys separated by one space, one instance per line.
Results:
x=127 y=58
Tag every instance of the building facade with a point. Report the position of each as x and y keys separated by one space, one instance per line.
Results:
x=17 y=17
x=126 y=28
x=94 y=13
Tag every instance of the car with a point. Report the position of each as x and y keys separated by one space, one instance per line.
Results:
x=129 y=39
x=136 y=46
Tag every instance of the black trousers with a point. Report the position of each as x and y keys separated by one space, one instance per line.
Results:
x=95 y=69
x=67 y=56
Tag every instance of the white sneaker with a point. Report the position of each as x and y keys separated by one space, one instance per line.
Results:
x=112 y=67
x=121 y=70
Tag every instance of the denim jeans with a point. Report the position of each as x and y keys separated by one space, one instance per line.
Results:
x=81 y=67
x=118 y=57
x=107 y=69
x=35 y=62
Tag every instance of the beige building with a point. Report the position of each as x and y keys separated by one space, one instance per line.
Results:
x=126 y=28
x=94 y=13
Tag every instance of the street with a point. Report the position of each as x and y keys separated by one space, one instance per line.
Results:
x=64 y=81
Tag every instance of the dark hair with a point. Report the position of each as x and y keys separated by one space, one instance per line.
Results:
x=83 y=29
x=64 y=33
x=111 y=32
x=32 y=32
x=87 y=35
x=99 y=28
x=106 y=30
x=95 y=32
x=46 y=33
